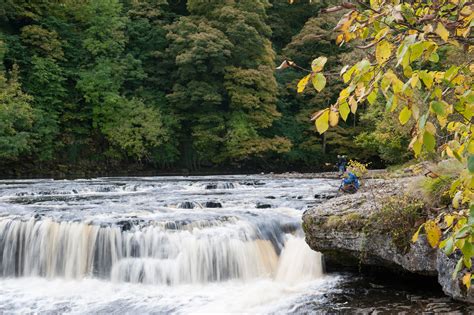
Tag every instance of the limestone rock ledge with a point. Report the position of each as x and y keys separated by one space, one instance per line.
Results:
x=338 y=228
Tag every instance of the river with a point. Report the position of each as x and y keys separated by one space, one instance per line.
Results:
x=230 y=244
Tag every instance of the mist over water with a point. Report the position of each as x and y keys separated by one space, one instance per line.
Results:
x=157 y=245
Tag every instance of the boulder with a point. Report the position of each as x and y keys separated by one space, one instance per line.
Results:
x=212 y=204
x=349 y=232
x=261 y=205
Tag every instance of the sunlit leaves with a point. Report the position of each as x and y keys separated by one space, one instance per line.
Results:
x=318 y=64
x=415 y=236
x=433 y=233
x=319 y=81
x=470 y=163
x=438 y=108
x=429 y=141
x=333 y=117
x=322 y=121
x=302 y=83
x=427 y=78
x=466 y=280
x=404 y=42
x=405 y=115
x=344 y=110
x=442 y=31
x=383 y=51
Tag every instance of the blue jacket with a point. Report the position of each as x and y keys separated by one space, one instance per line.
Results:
x=351 y=179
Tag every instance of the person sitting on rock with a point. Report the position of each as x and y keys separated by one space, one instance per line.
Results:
x=350 y=184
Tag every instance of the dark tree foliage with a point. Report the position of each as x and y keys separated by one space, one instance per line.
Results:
x=168 y=85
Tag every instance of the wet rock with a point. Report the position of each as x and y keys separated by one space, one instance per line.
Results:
x=220 y=186
x=213 y=204
x=125 y=225
x=261 y=205
x=187 y=205
x=454 y=288
x=325 y=196
x=337 y=228
x=253 y=183
x=211 y=186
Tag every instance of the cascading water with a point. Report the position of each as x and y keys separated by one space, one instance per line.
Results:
x=160 y=232
x=152 y=254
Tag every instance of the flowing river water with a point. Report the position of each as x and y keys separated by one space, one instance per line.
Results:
x=228 y=244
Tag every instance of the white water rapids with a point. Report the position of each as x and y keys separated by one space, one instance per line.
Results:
x=157 y=245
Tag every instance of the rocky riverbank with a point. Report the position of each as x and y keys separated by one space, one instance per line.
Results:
x=373 y=228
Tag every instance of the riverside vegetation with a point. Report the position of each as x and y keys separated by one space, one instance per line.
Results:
x=403 y=69
x=90 y=87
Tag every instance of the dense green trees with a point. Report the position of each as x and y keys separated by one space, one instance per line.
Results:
x=94 y=84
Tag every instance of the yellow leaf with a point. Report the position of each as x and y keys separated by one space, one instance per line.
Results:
x=333 y=116
x=442 y=32
x=415 y=236
x=433 y=233
x=353 y=104
x=383 y=51
x=405 y=115
x=430 y=128
x=466 y=280
x=322 y=122
x=414 y=80
x=319 y=81
x=417 y=147
x=448 y=219
x=427 y=78
x=302 y=84
x=339 y=38
x=318 y=64
x=449 y=152
x=344 y=111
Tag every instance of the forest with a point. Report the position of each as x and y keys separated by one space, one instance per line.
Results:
x=98 y=87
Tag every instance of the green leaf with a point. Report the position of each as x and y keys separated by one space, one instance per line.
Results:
x=434 y=57
x=405 y=115
x=344 y=110
x=318 y=64
x=451 y=72
x=468 y=248
x=416 y=50
x=372 y=97
x=422 y=121
x=449 y=247
x=383 y=51
x=438 y=108
x=322 y=122
x=471 y=214
x=470 y=163
x=429 y=141
x=458 y=267
x=319 y=81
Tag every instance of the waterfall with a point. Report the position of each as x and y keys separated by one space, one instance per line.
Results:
x=161 y=253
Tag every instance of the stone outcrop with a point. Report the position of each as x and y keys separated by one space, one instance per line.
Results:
x=342 y=229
